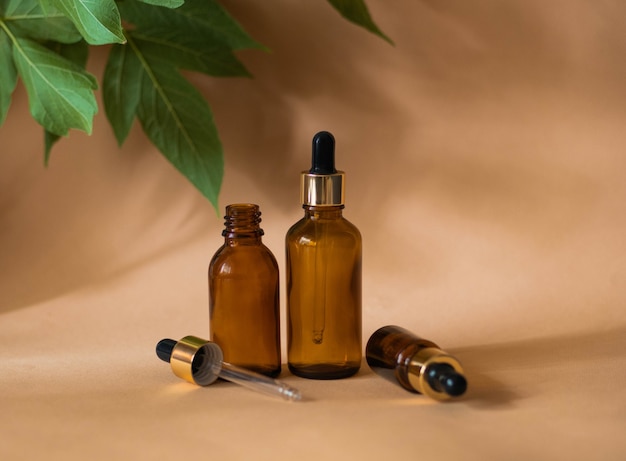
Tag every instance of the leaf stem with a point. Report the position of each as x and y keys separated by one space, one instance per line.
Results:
x=20 y=49
x=8 y=31
x=24 y=17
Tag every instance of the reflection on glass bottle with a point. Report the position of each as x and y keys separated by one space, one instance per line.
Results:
x=323 y=268
x=244 y=294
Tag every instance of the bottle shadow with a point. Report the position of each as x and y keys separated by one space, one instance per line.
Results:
x=487 y=366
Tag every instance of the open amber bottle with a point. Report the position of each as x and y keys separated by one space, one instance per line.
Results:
x=323 y=268
x=244 y=307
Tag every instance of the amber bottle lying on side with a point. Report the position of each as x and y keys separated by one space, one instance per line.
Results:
x=417 y=364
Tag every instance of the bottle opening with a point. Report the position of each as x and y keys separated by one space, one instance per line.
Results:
x=242 y=218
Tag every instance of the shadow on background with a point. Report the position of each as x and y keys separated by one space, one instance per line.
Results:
x=320 y=74
x=468 y=115
x=539 y=360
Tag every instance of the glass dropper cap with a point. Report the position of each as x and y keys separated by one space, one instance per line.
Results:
x=199 y=361
x=436 y=374
x=443 y=377
x=322 y=185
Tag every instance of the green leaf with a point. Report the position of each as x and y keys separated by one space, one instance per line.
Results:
x=204 y=21
x=121 y=89
x=78 y=54
x=8 y=7
x=165 y=3
x=183 y=51
x=356 y=11
x=177 y=119
x=8 y=75
x=60 y=93
x=97 y=20
x=50 y=140
x=27 y=18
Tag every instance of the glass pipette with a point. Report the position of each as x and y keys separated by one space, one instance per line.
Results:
x=201 y=362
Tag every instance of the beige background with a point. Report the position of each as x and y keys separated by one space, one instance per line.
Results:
x=485 y=162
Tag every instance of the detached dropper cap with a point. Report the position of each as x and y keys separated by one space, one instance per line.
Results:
x=193 y=359
x=201 y=362
x=322 y=185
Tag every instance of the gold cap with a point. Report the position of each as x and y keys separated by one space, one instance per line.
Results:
x=322 y=189
x=196 y=360
x=418 y=376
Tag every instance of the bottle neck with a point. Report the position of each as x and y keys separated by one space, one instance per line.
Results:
x=323 y=212
x=241 y=224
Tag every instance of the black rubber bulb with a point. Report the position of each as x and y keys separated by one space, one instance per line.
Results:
x=442 y=377
x=323 y=161
x=164 y=349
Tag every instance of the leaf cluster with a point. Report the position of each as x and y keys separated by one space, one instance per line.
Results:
x=46 y=44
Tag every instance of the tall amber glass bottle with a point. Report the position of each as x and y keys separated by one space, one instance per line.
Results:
x=244 y=296
x=323 y=275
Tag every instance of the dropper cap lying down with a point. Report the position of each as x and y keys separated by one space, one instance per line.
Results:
x=442 y=377
x=436 y=374
x=416 y=364
x=199 y=361
x=322 y=185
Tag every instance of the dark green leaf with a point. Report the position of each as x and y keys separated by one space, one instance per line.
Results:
x=8 y=7
x=26 y=18
x=50 y=140
x=356 y=11
x=204 y=21
x=78 y=54
x=121 y=89
x=8 y=75
x=182 y=51
x=165 y=3
x=60 y=93
x=97 y=20
x=177 y=119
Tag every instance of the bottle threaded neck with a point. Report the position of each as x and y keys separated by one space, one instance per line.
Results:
x=242 y=218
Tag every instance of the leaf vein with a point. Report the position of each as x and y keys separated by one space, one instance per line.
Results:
x=159 y=89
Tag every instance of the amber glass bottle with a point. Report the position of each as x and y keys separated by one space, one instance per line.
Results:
x=323 y=268
x=244 y=295
x=416 y=364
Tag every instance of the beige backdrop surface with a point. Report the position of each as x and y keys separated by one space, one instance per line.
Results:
x=485 y=155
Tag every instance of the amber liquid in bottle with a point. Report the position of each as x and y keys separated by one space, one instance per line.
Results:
x=323 y=268
x=244 y=294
